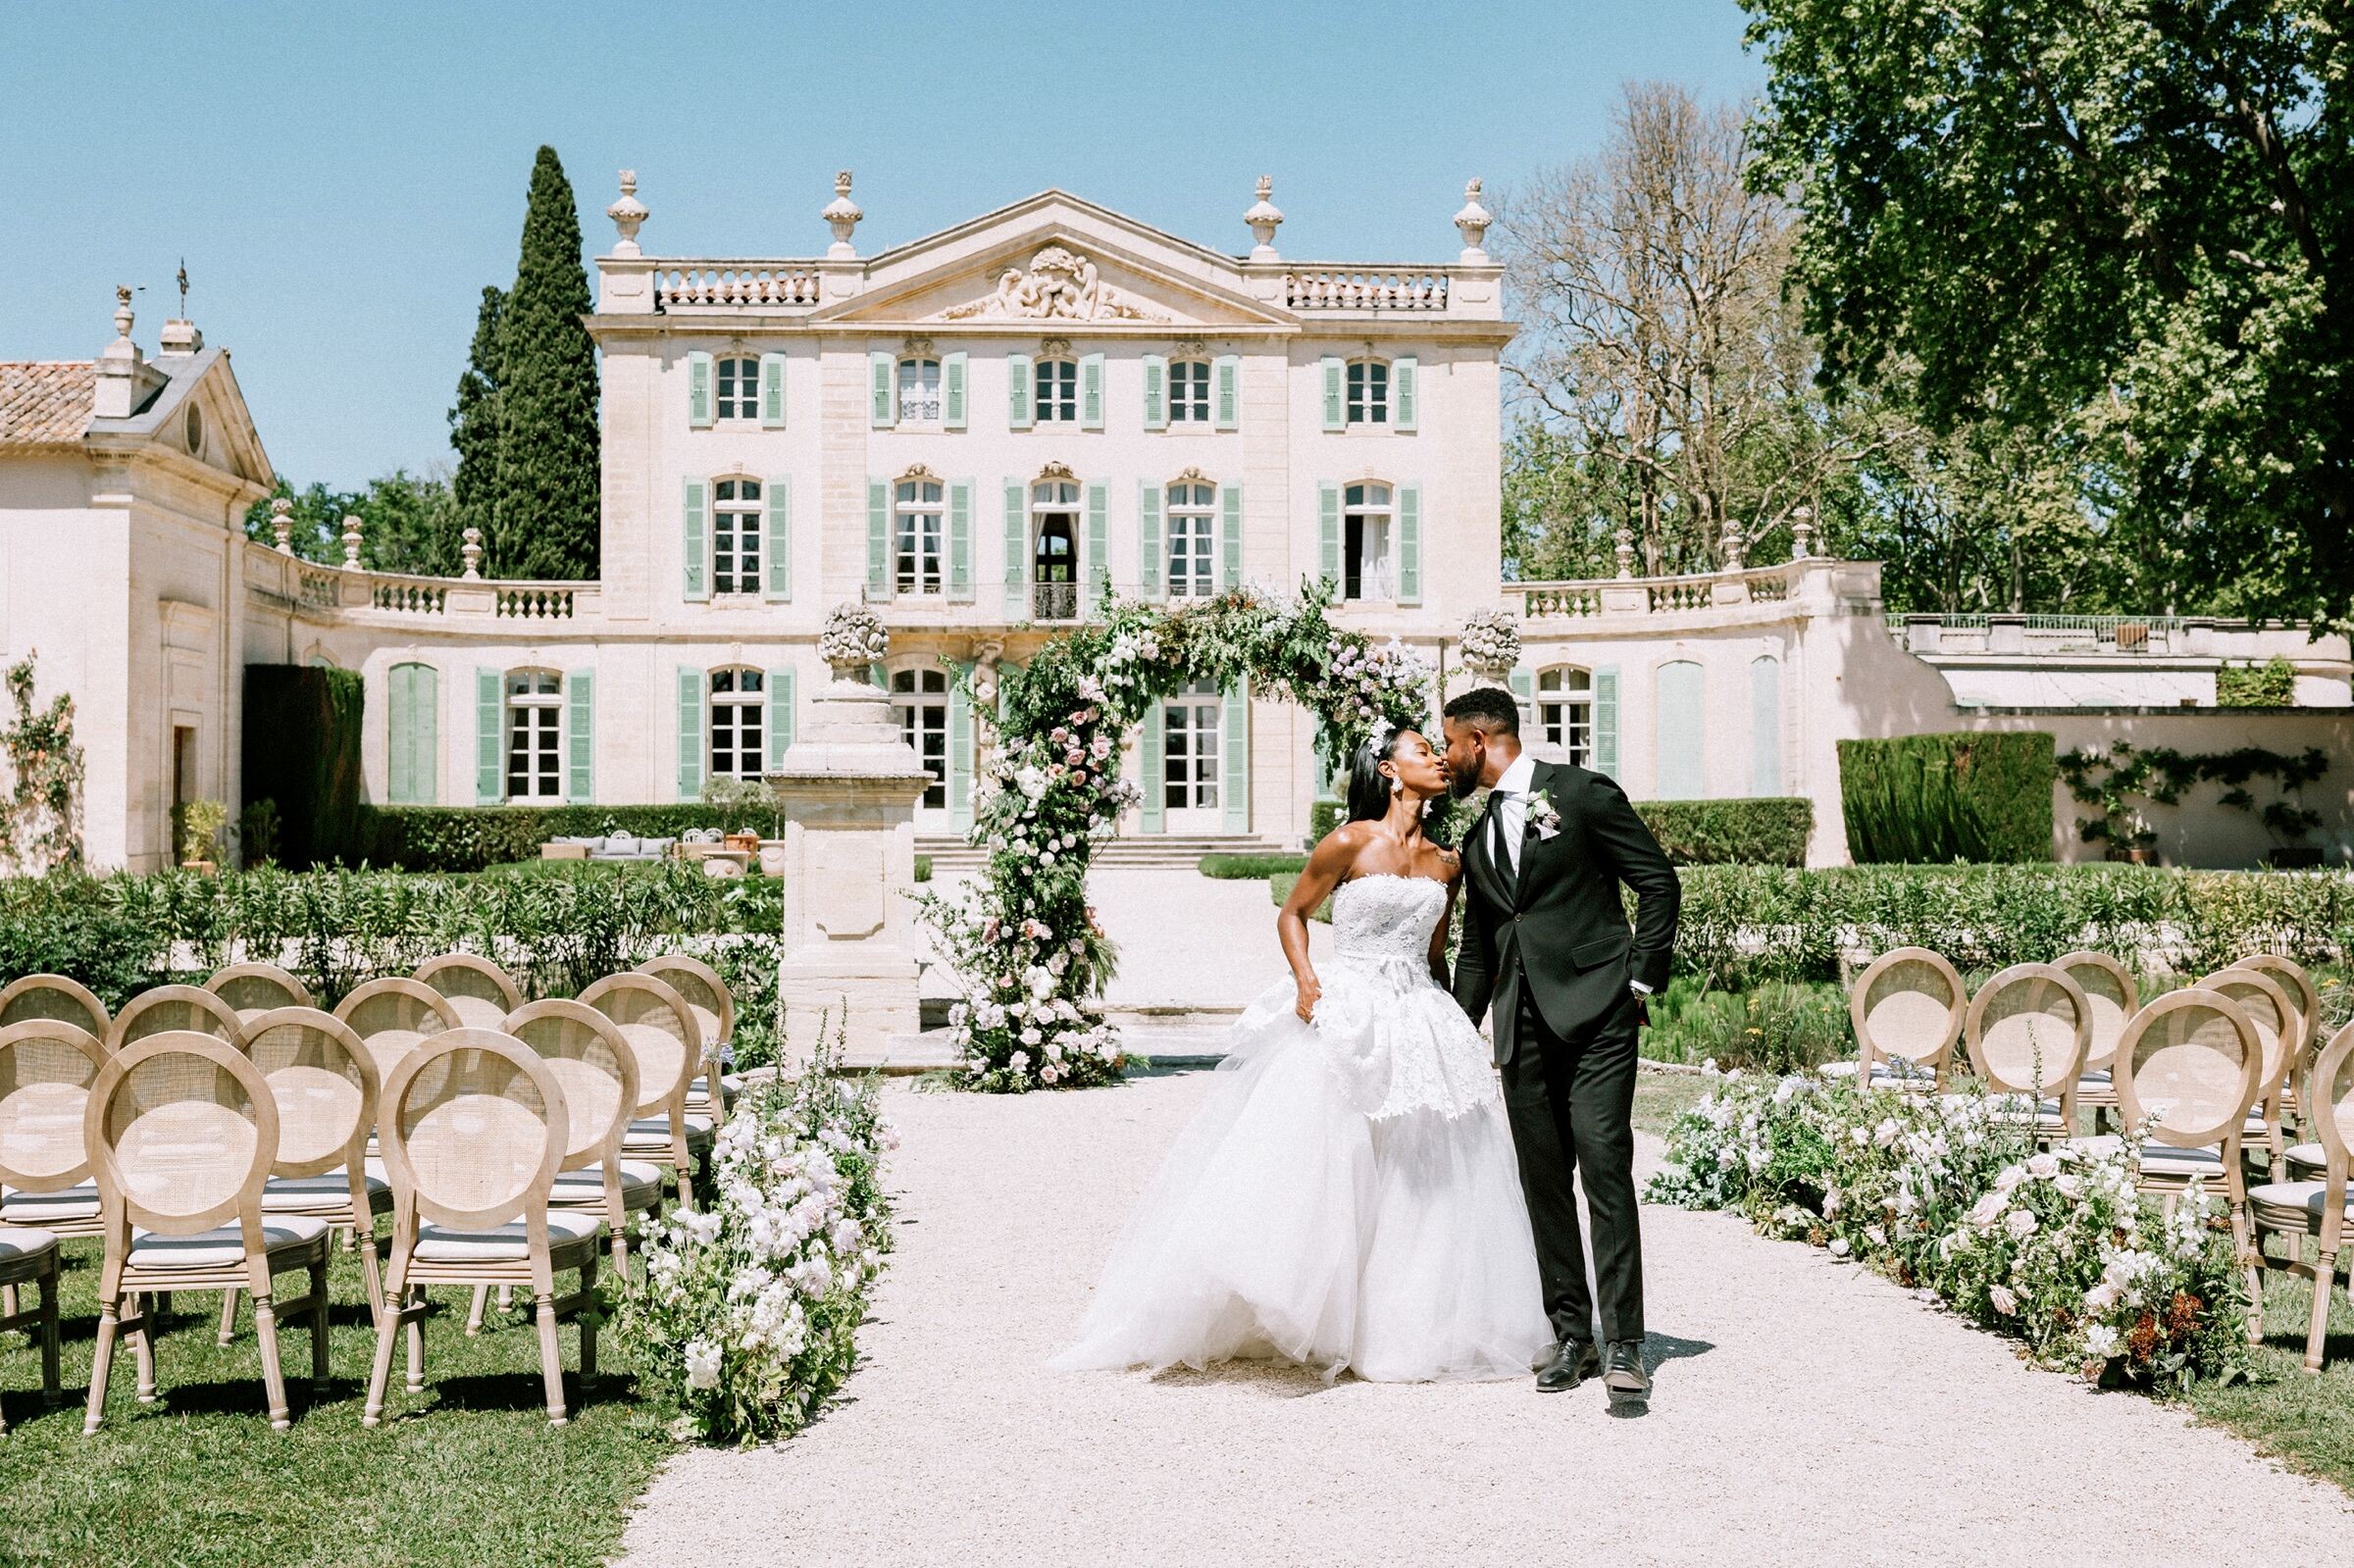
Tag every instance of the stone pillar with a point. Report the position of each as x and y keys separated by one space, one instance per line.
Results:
x=849 y=788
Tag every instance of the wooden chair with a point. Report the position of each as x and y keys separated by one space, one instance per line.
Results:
x=47 y=1066
x=473 y=1128
x=2030 y=1028
x=393 y=1016
x=663 y=1035
x=1908 y=1008
x=182 y=1132
x=2277 y=1028
x=30 y=1257
x=2316 y=1208
x=714 y=1009
x=253 y=989
x=55 y=996
x=324 y=1085
x=164 y=1009
x=2114 y=995
x=481 y=993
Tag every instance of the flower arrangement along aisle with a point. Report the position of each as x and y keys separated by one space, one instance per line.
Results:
x=747 y=1311
x=1021 y=935
x=2056 y=1247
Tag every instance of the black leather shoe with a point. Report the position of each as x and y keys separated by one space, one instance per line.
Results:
x=1572 y=1363
x=1622 y=1371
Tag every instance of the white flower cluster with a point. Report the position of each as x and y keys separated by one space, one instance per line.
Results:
x=1491 y=643
x=1363 y=683
x=853 y=635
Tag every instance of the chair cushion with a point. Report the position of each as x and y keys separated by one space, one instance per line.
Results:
x=296 y=1194
x=731 y=1085
x=222 y=1244
x=2287 y=1200
x=2100 y=1076
x=46 y=1208
x=640 y=1187
x=509 y=1244
x=650 y=1135
x=2306 y=1158
x=25 y=1243
x=2158 y=1159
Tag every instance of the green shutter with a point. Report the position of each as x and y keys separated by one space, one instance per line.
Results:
x=1090 y=391
x=1335 y=411
x=401 y=786
x=772 y=391
x=691 y=733
x=1524 y=682
x=490 y=701
x=1096 y=569
x=1018 y=554
x=1017 y=391
x=951 y=392
x=960 y=750
x=1403 y=370
x=878 y=539
x=415 y=749
x=779 y=717
x=699 y=390
x=1677 y=717
x=1328 y=533
x=961 y=541
x=1148 y=770
x=1765 y=726
x=1606 y=719
x=1225 y=394
x=1235 y=744
x=694 y=541
x=1156 y=392
x=580 y=738
x=1148 y=540
x=1410 y=544
x=883 y=412
x=1230 y=537
x=779 y=542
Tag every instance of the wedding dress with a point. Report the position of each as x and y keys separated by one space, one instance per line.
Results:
x=1348 y=1195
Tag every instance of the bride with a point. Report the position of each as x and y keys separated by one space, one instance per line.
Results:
x=1348 y=1197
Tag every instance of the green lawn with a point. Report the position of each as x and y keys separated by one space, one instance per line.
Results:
x=468 y=1472
x=2307 y=1422
x=1659 y=1098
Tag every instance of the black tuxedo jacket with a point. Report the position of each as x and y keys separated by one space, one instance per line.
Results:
x=1559 y=927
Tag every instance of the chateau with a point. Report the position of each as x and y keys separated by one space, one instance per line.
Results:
x=980 y=433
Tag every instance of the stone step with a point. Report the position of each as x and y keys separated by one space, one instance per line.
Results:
x=1171 y=851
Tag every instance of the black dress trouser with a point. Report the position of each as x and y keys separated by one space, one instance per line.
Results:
x=1571 y=1101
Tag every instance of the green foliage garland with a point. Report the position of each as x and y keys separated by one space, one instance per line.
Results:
x=2125 y=772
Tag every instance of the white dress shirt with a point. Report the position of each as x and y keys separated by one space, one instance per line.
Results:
x=1512 y=824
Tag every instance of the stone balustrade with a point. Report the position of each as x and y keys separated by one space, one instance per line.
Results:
x=2149 y=636
x=1846 y=583
x=1339 y=287
x=328 y=593
x=781 y=284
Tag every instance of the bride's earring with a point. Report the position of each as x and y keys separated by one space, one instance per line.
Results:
x=1397 y=786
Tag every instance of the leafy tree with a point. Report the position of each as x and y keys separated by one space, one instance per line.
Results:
x=408 y=522
x=473 y=422
x=545 y=509
x=2128 y=219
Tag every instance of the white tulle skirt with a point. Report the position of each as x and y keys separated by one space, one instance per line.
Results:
x=1347 y=1197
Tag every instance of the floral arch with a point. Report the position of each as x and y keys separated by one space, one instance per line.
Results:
x=1022 y=938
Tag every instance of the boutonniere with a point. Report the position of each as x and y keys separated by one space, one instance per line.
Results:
x=1542 y=816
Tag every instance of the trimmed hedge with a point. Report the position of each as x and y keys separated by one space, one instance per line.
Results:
x=1981 y=797
x=469 y=838
x=302 y=753
x=1280 y=885
x=1249 y=868
x=1758 y=831
x=1322 y=817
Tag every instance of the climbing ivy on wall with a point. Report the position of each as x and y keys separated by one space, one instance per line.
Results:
x=40 y=823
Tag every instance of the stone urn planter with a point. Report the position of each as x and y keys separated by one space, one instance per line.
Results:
x=772 y=857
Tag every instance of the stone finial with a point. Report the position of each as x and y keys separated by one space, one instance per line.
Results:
x=282 y=524
x=1472 y=223
x=116 y=391
x=122 y=313
x=351 y=542
x=472 y=553
x=842 y=215
x=1623 y=544
x=1732 y=544
x=1264 y=218
x=1802 y=533
x=628 y=214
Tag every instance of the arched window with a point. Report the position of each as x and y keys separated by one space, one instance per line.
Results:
x=1189 y=391
x=1365 y=540
x=1368 y=394
x=736 y=536
x=1055 y=549
x=920 y=699
x=919 y=392
x=738 y=721
x=1565 y=711
x=535 y=734
x=740 y=387
x=1057 y=393
x=917 y=535
x=1682 y=763
x=1193 y=539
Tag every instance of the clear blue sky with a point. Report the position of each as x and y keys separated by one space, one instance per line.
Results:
x=343 y=179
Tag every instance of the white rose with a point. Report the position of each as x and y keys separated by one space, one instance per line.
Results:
x=2043 y=1167
x=2100 y=1340
x=2004 y=1302
x=1840 y=1247
x=702 y=1364
x=2020 y=1223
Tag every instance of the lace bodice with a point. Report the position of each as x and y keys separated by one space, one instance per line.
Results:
x=1384 y=918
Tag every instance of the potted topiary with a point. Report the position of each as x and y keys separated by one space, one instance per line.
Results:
x=200 y=824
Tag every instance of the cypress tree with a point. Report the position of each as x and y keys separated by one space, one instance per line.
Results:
x=473 y=424
x=546 y=506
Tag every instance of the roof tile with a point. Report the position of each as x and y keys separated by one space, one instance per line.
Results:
x=45 y=402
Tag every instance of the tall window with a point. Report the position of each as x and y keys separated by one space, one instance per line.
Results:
x=1058 y=392
x=738 y=712
x=740 y=388
x=920 y=698
x=919 y=392
x=1365 y=541
x=1193 y=535
x=1368 y=391
x=736 y=536
x=1054 y=550
x=535 y=734
x=1189 y=391
x=917 y=535
x=1189 y=755
x=1565 y=711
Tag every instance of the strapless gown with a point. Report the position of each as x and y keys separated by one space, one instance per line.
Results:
x=1347 y=1197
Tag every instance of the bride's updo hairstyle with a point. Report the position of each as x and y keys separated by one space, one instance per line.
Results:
x=1369 y=789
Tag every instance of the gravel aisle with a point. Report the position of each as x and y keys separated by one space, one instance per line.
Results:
x=1806 y=1413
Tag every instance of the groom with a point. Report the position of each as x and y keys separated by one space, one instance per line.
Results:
x=1545 y=939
